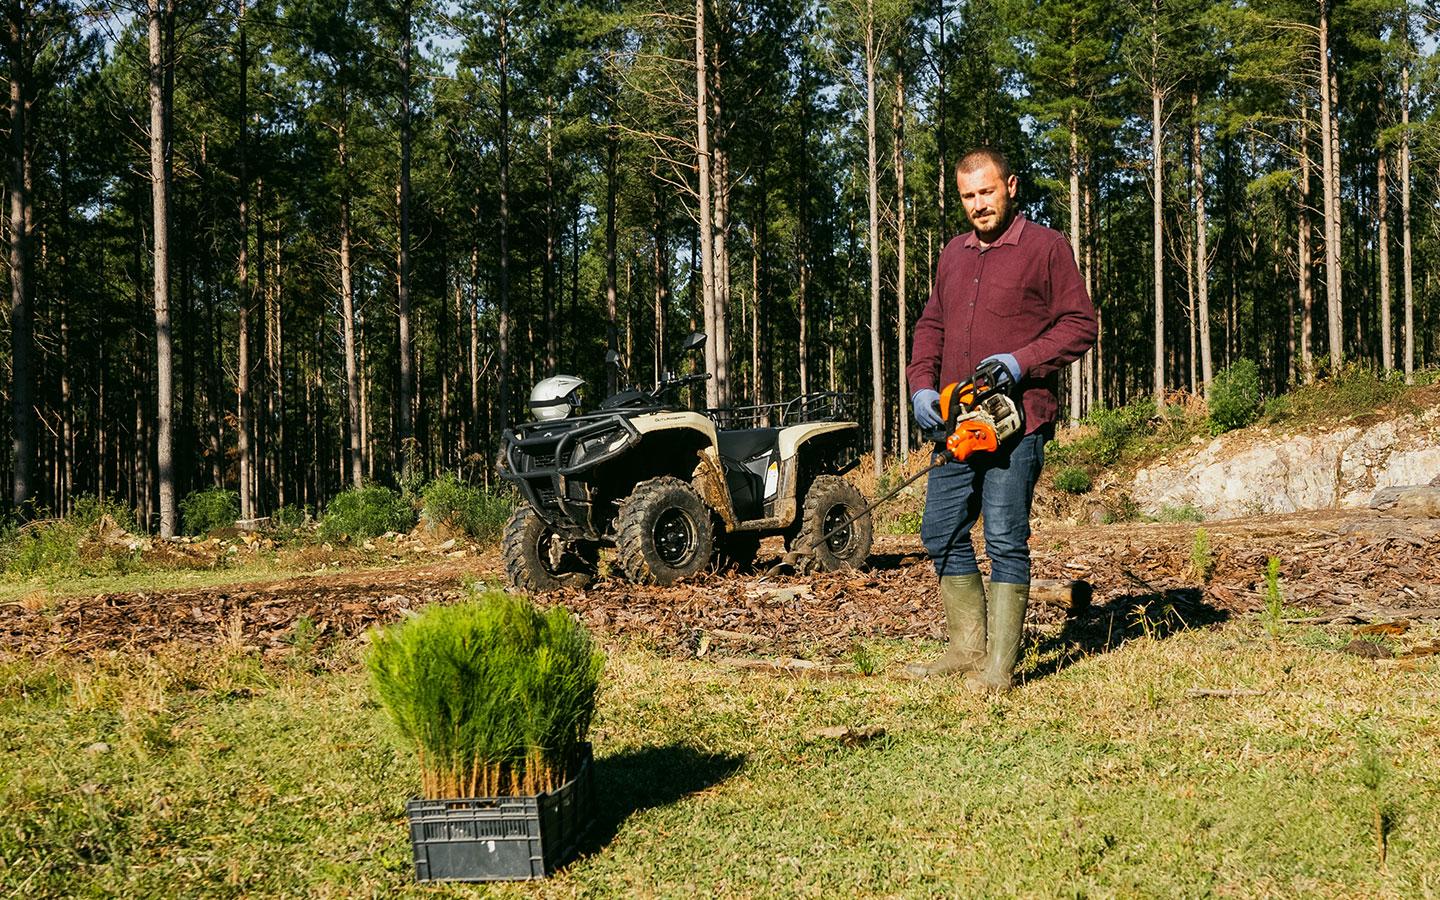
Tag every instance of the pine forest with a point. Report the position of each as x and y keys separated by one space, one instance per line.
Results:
x=287 y=247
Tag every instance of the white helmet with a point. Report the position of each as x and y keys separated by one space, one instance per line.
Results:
x=555 y=397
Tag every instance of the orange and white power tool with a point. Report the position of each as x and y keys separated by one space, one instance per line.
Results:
x=978 y=414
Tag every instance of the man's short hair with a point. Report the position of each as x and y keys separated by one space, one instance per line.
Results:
x=980 y=157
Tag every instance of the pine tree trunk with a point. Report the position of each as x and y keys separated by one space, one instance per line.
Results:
x=160 y=183
x=1406 y=274
x=707 y=244
x=244 y=424
x=547 y=281
x=1331 y=182
x=1382 y=193
x=1158 y=247
x=720 y=191
x=612 y=299
x=877 y=373
x=22 y=442
x=1304 y=255
x=407 y=374
x=1076 y=379
x=1202 y=254
x=901 y=263
x=347 y=313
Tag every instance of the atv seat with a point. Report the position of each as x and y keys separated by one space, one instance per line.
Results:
x=747 y=443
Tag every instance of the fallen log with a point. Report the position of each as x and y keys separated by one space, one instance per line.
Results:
x=1072 y=596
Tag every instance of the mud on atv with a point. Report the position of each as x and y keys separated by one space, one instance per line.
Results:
x=675 y=491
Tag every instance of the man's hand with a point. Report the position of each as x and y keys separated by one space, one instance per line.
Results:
x=926 y=404
x=1005 y=362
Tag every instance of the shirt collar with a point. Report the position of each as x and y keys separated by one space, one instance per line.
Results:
x=1011 y=235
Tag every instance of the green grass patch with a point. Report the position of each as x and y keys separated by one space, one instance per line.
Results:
x=206 y=774
x=92 y=540
x=1354 y=390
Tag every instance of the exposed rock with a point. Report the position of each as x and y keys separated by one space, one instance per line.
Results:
x=1246 y=473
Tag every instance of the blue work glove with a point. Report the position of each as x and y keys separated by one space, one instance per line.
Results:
x=926 y=404
x=1008 y=360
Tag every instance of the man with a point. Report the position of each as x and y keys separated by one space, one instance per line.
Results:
x=1008 y=292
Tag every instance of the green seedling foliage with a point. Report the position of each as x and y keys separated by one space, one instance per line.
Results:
x=1072 y=480
x=202 y=512
x=1274 y=600
x=1234 y=397
x=450 y=502
x=1202 y=555
x=865 y=660
x=494 y=696
x=366 y=512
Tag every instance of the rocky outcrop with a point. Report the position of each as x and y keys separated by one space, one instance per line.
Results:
x=1257 y=471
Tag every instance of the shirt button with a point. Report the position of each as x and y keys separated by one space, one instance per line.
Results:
x=977 y=281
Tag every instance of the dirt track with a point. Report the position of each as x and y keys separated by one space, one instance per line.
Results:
x=1334 y=561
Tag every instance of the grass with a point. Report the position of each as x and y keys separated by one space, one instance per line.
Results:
x=220 y=776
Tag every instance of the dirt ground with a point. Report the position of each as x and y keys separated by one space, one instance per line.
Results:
x=1331 y=563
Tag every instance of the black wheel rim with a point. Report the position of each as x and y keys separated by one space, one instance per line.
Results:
x=838 y=542
x=674 y=537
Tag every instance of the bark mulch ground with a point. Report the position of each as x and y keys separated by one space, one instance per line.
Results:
x=1341 y=562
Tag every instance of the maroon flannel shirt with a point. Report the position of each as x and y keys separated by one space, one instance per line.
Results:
x=1021 y=295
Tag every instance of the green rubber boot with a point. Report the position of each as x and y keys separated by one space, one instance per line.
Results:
x=964 y=598
x=1007 y=625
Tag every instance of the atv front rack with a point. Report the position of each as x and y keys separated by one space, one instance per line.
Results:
x=540 y=457
x=816 y=406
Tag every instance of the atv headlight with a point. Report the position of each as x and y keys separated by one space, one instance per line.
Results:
x=601 y=444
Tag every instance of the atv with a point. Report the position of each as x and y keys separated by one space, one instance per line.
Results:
x=675 y=491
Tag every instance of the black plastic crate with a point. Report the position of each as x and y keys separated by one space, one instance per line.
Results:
x=502 y=838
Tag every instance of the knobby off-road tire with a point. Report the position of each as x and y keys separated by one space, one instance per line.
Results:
x=529 y=564
x=830 y=501
x=664 y=532
x=735 y=551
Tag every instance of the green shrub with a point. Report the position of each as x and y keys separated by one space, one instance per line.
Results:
x=1186 y=512
x=202 y=512
x=1234 y=397
x=49 y=547
x=71 y=545
x=494 y=696
x=365 y=512
x=1072 y=480
x=1114 y=431
x=451 y=502
x=89 y=511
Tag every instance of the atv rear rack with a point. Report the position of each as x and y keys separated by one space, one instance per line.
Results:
x=816 y=406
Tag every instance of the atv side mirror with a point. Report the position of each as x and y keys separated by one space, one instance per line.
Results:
x=693 y=341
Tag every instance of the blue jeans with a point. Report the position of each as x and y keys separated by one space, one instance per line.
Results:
x=1000 y=485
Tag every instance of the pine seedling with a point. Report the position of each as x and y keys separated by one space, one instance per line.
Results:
x=495 y=697
x=1202 y=556
x=1274 y=602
